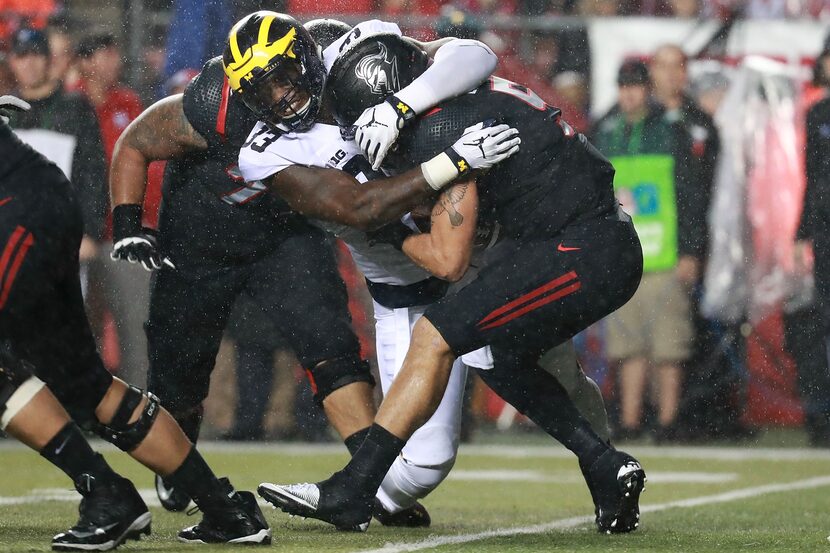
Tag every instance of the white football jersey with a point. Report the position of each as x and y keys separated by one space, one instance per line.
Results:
x=322 y=146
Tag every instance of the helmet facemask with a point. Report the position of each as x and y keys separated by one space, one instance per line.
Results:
x=273 y=96
x=273 y=65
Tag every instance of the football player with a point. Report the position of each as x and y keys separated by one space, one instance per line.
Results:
x=47 y=342
x=400 y=292
x=220 y=235
x=572 y=256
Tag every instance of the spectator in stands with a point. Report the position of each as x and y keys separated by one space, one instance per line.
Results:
x=808 y=331
x=62 y=52
x=122 y=289
x=697 y=150
x=697 y=153
x=73 y=141
x=651 y=335
x=197 y=32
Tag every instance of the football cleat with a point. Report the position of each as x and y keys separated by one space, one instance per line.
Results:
x=328 y=501
x=412 y=517
x=111 y=512
x=243 y=522
x=616 y=481
x=171 y=498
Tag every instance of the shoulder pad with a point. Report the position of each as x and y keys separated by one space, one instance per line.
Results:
x=206 y=100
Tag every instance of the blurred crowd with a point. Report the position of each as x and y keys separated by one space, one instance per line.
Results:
x=670 y=372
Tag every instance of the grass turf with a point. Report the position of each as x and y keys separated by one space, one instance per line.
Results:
x=548 y=488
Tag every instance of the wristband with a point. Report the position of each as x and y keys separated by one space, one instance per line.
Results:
x=444 y=168
x=126 y=221
x=404 y=111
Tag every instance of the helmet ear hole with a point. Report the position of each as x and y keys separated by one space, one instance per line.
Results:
x=369 y=71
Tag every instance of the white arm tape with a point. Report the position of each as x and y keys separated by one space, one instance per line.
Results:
x=19 y=399
x=459 y=67
x=439 y=171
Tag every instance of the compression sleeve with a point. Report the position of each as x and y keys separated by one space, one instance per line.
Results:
x=459 y=67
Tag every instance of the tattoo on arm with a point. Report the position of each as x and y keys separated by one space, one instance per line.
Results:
x=163 y=131
x=447 y=202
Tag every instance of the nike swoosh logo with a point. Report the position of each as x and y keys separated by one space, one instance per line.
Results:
x=562 y=248
x=96 y=532
x=164 y=492
x=65 y=441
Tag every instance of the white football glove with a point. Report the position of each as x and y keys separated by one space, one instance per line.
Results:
x=480 y=147
x=483 y=146
x=10 y=104
x=377 y=128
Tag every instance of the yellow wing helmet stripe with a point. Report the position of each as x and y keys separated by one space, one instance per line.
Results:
x=260 y=55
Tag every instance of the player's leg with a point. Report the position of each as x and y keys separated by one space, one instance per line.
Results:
x=42 y=239
x=531 y=300
x=299 y=288
x=135 y=422
x=184 y=332
x=430 y=453
x=561 y=362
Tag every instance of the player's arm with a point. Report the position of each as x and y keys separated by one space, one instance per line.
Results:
x=334 y=195
x=162 y=131
x=459 y=66
x=445 y=251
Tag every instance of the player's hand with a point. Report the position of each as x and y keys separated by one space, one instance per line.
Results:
x=11 y=104
x=134 y=243
x=482 y=146
x=377 y=128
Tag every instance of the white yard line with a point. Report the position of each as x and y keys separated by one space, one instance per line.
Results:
x=574 y=476
x=510 y=451
x=565 y=523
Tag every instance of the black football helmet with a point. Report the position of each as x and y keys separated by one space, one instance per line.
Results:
x=271 y=61
x=369 y=70
x=326 y=31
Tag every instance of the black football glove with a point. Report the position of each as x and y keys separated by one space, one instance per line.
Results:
x=393 y=234
x=132 y=242
x=11 y=104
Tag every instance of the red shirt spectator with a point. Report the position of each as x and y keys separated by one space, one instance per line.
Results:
x=324 y=7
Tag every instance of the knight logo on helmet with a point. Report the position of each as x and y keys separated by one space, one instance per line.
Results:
x=272 y=62
x=379 y=72
x=369 y=71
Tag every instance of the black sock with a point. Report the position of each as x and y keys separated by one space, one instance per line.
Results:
x=196 y=478
x=538 y=395
x=372 y=460
x=69 y=451
x=191 y=421
x=354 y=441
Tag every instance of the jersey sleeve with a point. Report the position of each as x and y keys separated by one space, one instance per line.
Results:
x=206 y=101
x=358 y=33
x=259 y=158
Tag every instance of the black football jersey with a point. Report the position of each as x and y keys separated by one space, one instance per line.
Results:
x=555 y=179
x=209 y=215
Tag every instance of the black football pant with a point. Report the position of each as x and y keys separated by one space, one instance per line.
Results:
x=42 y=313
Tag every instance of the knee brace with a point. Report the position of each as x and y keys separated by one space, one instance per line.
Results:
x=18 y=384
x=331 y=374
x=125 y=435
x=14 y=396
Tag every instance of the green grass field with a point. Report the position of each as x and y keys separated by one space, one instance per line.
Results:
x=499 y=498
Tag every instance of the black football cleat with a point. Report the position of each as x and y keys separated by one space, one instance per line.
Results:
x=111 y=512
x=416 y=516
x=242 y=523
x=331 y=501
x=171 y=498
x=616 y=481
